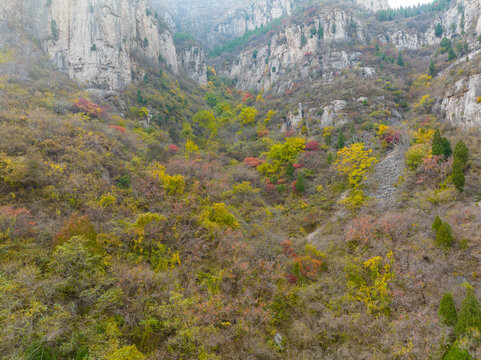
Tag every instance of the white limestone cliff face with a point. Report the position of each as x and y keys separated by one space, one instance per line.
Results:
x=257 y=14
x=300 y=48
x=461 y=103
x=405 y=39
x=213 y=22
x=102 y=43
x=192 y=61
x=464 y=16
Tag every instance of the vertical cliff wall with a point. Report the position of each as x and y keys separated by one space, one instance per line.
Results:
x=103 y=44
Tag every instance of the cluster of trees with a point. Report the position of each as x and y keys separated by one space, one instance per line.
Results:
x=248 y=36
x=465 y=322
x=410 y=11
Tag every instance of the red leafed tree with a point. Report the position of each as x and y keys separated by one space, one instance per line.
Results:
x=118 y=128
x=173 y=148
x=253 y=162
x=312 y=146
x=89 y=108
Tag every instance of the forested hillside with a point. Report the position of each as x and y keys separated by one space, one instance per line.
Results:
x=312 y=193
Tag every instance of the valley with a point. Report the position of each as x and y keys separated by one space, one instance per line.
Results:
x=258 y=179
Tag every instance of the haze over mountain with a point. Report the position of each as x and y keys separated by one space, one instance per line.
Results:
x=251 y=179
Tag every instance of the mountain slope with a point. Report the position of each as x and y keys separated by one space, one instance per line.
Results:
x=325 y=209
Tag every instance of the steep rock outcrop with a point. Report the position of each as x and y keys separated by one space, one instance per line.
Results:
x=319 y=46
x=462 y=103
x=215 y=22
x=102 y=43
x=192 y=61
x=463 y=16
x=258 y=13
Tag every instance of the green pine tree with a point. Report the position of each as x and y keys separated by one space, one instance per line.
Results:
x=461 y=153
x=446 y=146
x=470 y=314
x=290 y=170
x=458 y=176
x=438 y=30
x=320 y=32
x=432 y=68
x=444 y=236
x=441 y=145
x=436 y=224
x=451 y=55
x=437 y=148
x=330 y=159
x=341 y=141
x=460 y=159
x=301 y=183
x=400 y=60
x=447 y=310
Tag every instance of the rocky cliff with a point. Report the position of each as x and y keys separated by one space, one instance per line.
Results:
x=323 y=46
x=462 y=103
x=192 y=61
x=215 y=22
x=104 y=44
x=462 y=18
x=328 y=39
x=101 y=43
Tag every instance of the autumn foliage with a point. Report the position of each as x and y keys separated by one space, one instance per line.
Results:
x=118 y=128
x=89 y=108
x=253 y=162
x=312 y=146
x=77 y=225
x=305 y=266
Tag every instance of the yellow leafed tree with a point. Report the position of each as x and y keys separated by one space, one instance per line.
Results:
x=355 y=161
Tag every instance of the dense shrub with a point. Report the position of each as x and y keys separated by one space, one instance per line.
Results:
x=456 y=353
x=217 y=215
x=415 y=155
x=299 y=184
x=77 y=225
x=126 y=353
x=118 y=128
